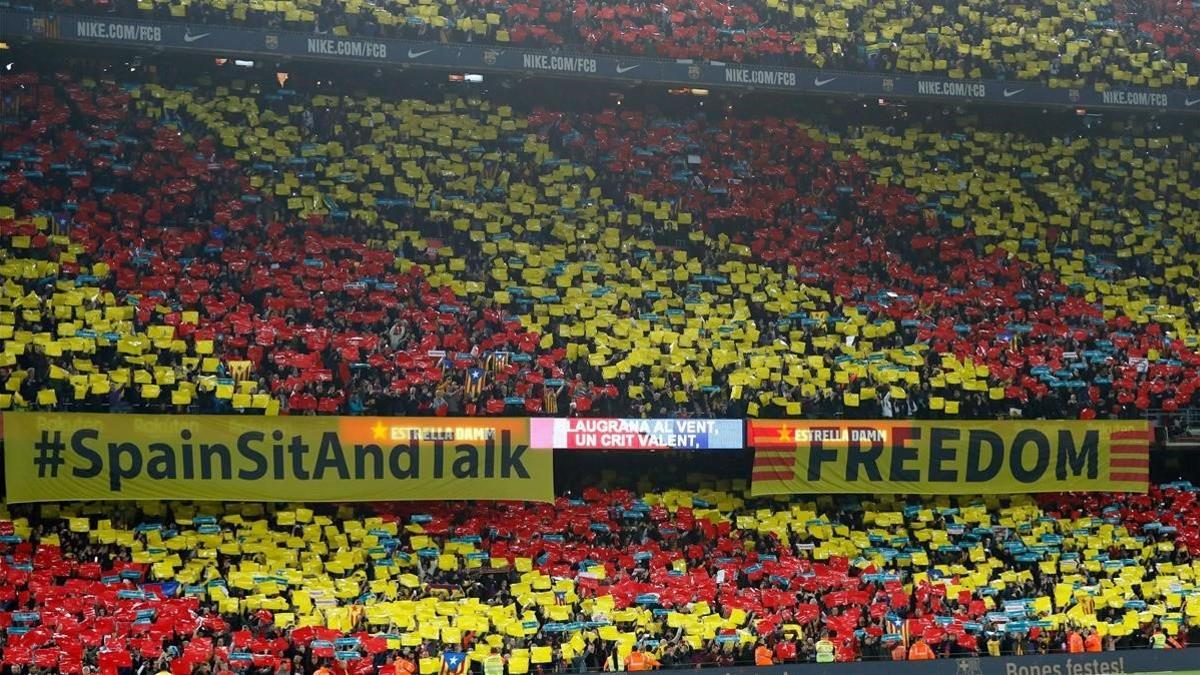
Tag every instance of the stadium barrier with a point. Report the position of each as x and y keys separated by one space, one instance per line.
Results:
x=82 y=456
x=1099 y=663
x=230 y=42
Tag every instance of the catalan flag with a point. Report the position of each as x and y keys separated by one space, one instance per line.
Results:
x=497 y=361
x=476 y=381
x=239 y=370
x=1129 y=457
x=454 y=663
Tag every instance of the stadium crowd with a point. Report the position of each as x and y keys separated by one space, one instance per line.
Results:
x=1071 y=43
x=233 y=247
x=481 y=260
x=607 y=580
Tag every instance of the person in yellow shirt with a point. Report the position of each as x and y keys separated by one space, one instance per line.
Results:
x=1159 y=639
x=493 y=664
x=825 y=648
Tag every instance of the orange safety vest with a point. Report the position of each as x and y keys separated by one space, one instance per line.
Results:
x=899 y=653
x=1092 y=643
x=762 y=656
x=920 y=652
x=1075 y=643
x=635 y=662
x=405 y=667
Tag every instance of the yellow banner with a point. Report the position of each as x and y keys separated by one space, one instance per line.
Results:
x=57 y=456
x=932 y=458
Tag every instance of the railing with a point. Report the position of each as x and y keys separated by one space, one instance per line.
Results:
x=233 y=41
x=1176 y=429
x=1098 y=663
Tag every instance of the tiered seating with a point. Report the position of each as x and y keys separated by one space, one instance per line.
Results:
x=182 y=585
x=1173 y=25
x=1067 y=44
x=176 y=288
x=778 y=269
x=1110 y=217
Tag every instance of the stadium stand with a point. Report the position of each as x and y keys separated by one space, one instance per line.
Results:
x=1072 y=43
x=228 y=247
x=478 y=261
x=569 y=585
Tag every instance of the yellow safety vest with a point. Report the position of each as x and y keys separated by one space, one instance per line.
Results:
x=824 y=651
x=493 y=665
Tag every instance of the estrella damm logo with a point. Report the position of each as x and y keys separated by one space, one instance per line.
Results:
x=52 y=457
x=909 y=457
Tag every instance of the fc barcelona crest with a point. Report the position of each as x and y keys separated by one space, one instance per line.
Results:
x=694 y=71
x=490 y=56
x=272 y=41
x=889 y=84
x=1073 y=94
x=969 y=667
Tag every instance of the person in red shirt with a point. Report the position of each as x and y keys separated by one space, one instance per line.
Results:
x=785 y=651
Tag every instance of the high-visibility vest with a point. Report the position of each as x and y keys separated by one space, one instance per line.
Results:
x=1092 y=643
x=1158 y=641
x=762 y=656
x=825 y=651
x=899 y=653
x=405 y=667
x=635 y=662
x=493 y=665
x=920 y=652
x=1075 y=643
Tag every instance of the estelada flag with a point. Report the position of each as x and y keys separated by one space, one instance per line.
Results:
x=454 y=663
